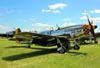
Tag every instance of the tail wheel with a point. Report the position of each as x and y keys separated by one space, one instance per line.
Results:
x=76 y=47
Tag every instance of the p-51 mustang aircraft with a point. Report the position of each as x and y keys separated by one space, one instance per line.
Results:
x=62 y=42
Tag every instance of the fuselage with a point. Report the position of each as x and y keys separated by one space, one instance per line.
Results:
x=70 y=30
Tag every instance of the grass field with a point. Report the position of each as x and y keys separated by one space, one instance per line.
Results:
x=14 y=55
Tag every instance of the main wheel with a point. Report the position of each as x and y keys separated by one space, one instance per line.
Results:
x=76 y=47
x=66 y=45
x=61 y=50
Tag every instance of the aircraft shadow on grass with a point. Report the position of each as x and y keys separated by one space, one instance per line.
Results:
x=41 y=51
x=13 y=46
x=16 y=47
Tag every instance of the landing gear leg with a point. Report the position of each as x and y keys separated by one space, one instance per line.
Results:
x=29 y=46
x=61 y=49
x=29 y=43
x=76 y=46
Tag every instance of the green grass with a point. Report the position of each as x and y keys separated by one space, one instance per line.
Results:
x=14 y=55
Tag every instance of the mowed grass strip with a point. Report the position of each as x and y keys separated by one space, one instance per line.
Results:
x=14 y=55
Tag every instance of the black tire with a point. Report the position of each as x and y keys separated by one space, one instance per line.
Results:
x=61 y=50
x=76 y=47
x=96 y=42
x=67 y=46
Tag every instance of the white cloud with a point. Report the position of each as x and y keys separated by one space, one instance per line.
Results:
x=66 y=19
x=83 y=17
x=44 y=10
x=53 y=11
x=25 y=30
x=57 y=6
x=95 y=11
x=56 y=11
x=85 y=13
x=3 y=27
x=42 y=26
x=97 y=19
x=68 y=24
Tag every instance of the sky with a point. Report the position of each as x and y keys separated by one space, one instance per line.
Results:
x=40 y=15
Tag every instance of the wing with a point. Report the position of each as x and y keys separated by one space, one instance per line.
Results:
x=29 y=35
x=38 y=38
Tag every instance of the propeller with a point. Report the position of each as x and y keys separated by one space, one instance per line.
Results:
x=92 y=30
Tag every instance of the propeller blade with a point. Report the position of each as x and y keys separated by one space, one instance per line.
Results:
x=88 y=20
x=92 y=30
